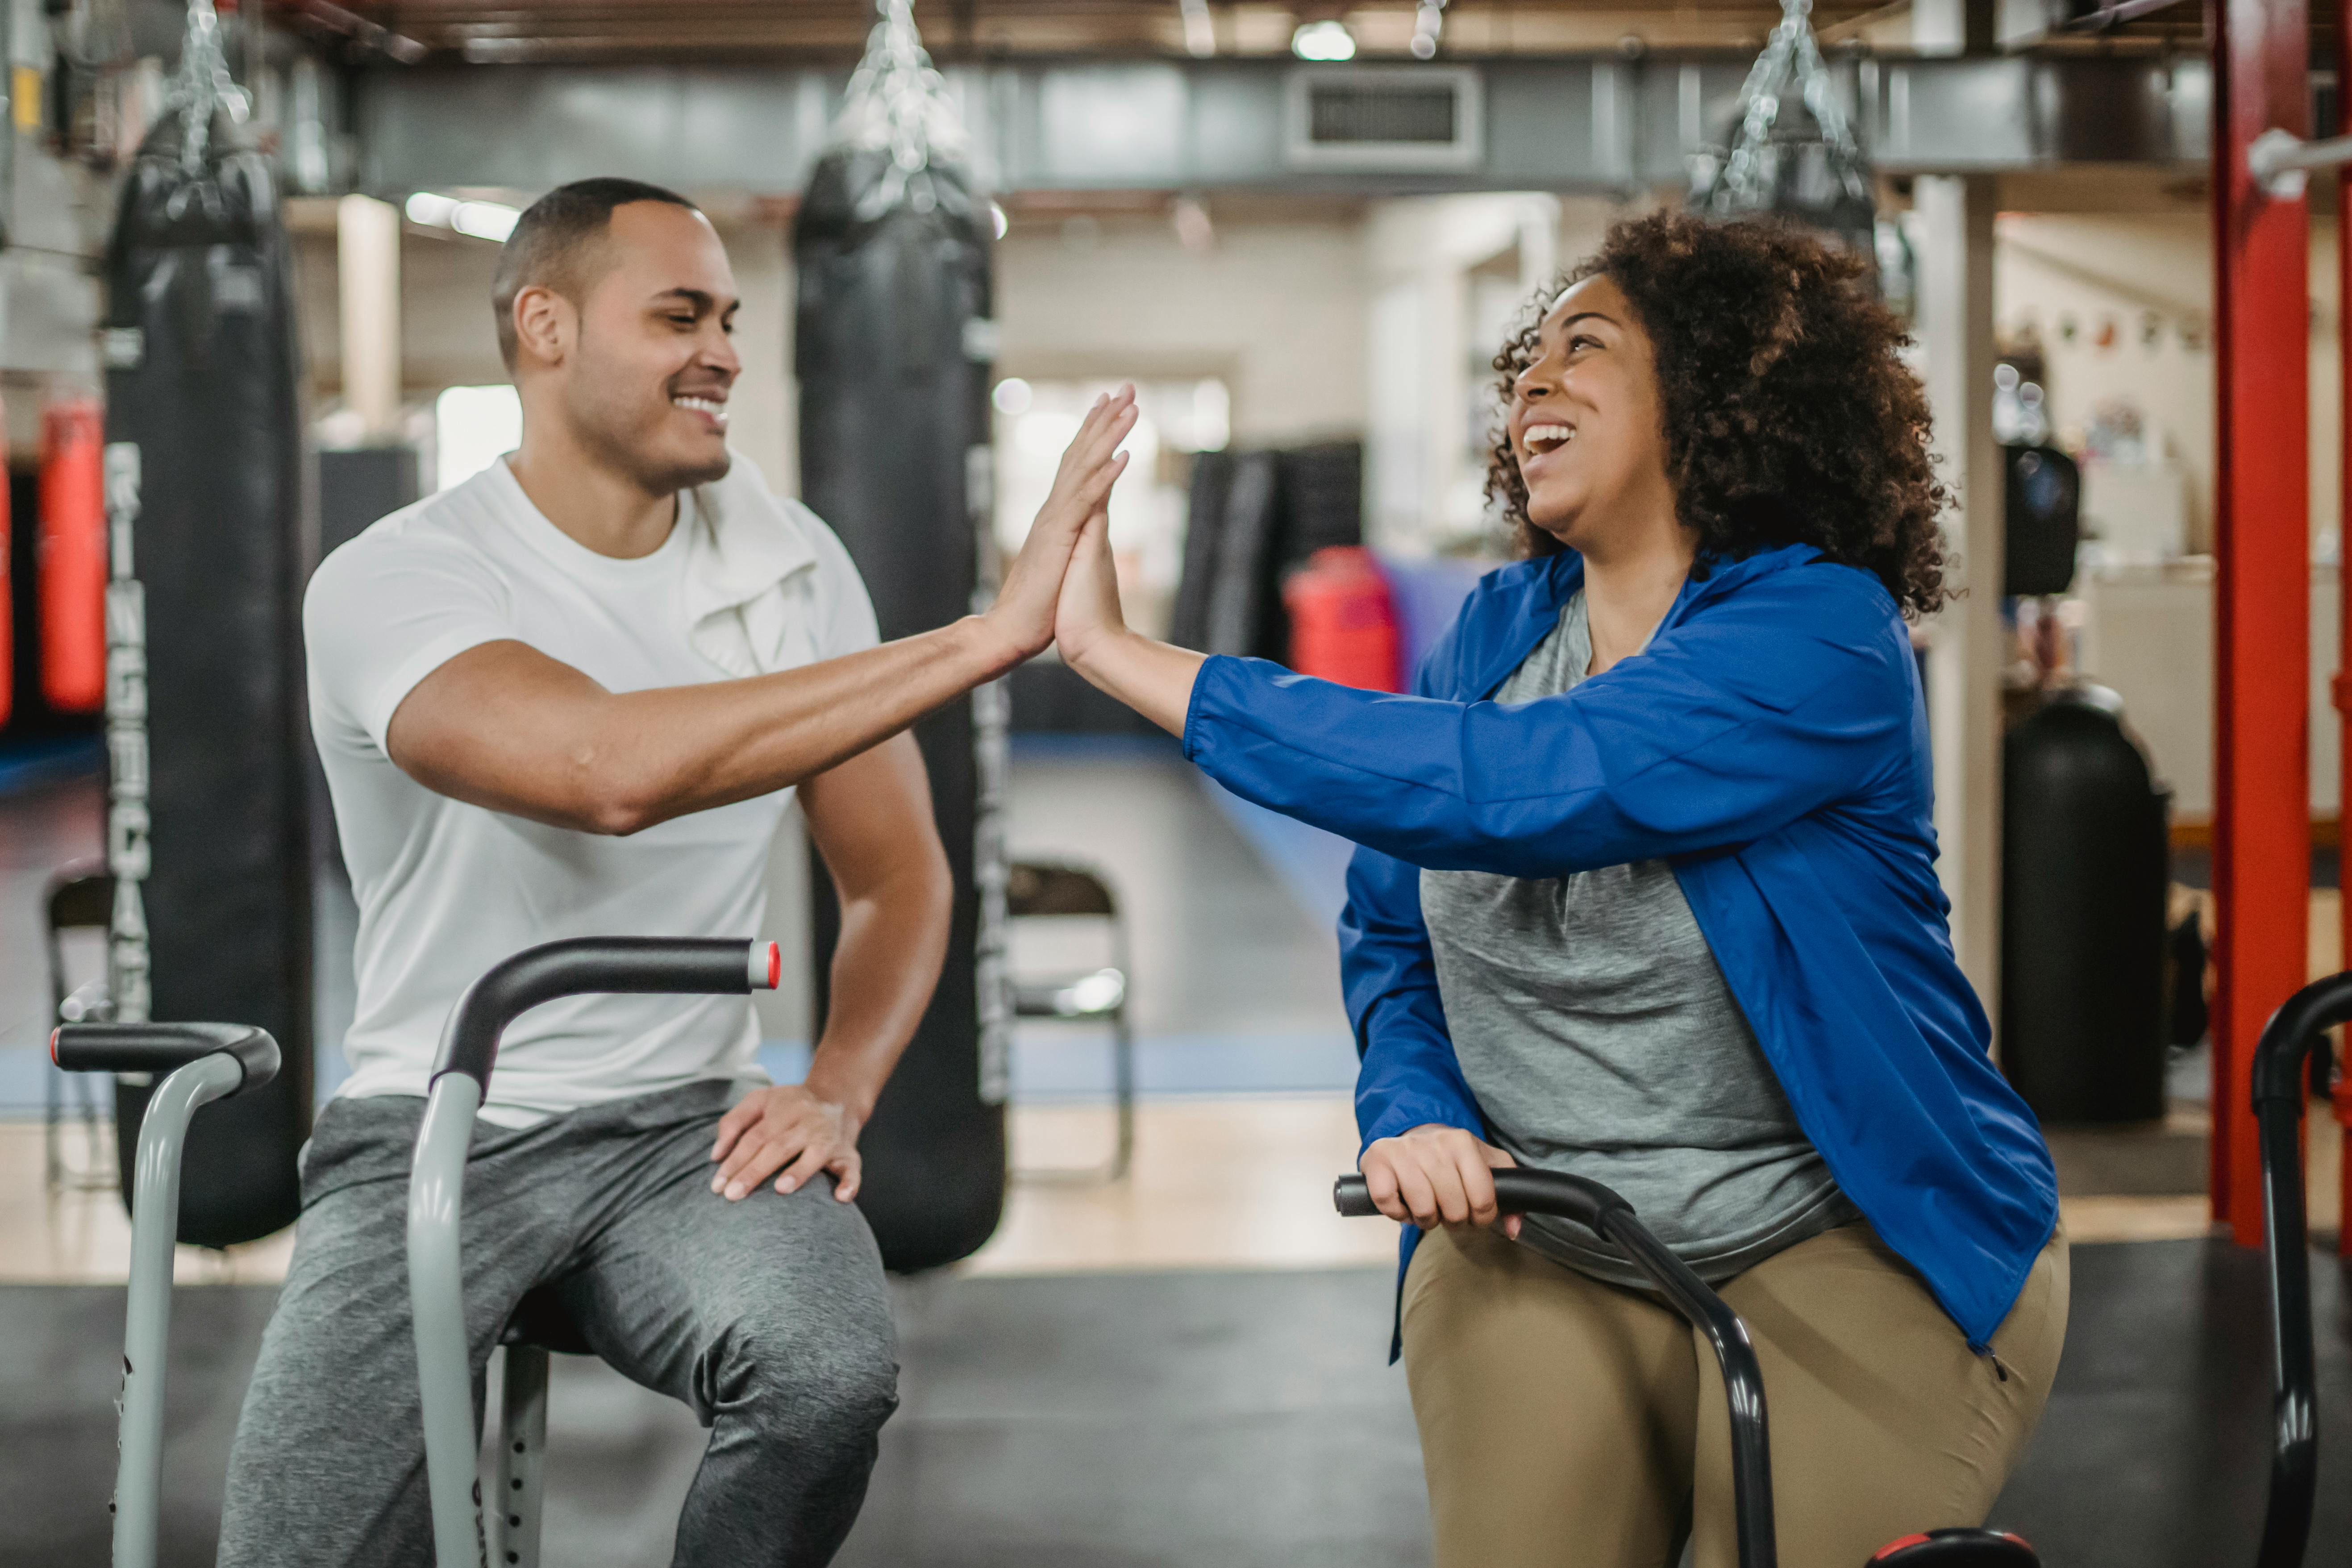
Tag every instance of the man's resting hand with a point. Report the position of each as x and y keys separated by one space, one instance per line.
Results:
x=787 y=1128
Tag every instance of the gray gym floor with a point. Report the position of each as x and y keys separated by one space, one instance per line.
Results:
x=1190 y=1420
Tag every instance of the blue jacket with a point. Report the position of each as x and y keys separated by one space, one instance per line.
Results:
x=1771 y=744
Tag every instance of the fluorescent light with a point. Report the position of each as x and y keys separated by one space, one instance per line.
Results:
x=1428 y=21
x=485 y=220
x=1200 y=33
x=480 y=220
x=1324 y=41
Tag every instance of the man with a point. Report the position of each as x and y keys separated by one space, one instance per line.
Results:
x=573 y=696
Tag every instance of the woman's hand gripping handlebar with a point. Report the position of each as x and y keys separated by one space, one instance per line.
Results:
x=1435 y=1174
x=1610 y=1216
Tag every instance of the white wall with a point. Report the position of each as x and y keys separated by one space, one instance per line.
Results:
x=2116 y=269
x=1448 y=275
x=1276 y=308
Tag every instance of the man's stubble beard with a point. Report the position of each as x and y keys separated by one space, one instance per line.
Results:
x=605 y=423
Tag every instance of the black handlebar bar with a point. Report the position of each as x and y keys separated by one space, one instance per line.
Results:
x=680 y=965
x=161 y=1048
x=2297 y=1030
x=1607 y=1214
x=1515 y=1191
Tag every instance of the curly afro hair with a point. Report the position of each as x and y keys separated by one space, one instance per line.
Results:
x=1790 y=415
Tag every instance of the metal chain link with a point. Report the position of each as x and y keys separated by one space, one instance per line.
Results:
x=1748 y=176
x=898 y=102
x=202 y=86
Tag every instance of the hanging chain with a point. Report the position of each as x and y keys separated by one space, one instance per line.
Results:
x=202 y=86
x=898 y=102
x=1792 y=59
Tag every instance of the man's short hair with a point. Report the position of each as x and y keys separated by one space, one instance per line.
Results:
x=551 y=244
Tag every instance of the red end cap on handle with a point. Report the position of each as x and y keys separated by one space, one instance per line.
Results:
x=775 y=965
x=53 y=1047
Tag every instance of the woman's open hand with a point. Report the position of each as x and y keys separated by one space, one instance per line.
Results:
x=1024 y=613
x=1088 y=610
x=1435 y=1175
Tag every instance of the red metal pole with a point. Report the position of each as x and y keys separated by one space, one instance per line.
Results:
x=2262 y=817
x=2341 y=688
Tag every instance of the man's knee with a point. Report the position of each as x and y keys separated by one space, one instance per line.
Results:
x=832 y=1379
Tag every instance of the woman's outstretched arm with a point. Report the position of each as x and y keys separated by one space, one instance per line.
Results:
x=1794 y=693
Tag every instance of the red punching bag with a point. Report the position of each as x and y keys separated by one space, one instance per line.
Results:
x=1343 y=619
x=73 y=557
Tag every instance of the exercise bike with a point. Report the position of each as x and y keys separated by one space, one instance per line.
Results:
x=2295 y=1033
x=205 y=1062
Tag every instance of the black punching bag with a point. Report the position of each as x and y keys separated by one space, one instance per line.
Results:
x=892 y=333
x=201 y=379
x=2084 y=873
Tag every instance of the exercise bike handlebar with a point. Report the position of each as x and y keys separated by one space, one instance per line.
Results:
x=436 y=1179
x=164 y=1047
x=680 y=965
x=2295 y=1033
x=1606 y=1214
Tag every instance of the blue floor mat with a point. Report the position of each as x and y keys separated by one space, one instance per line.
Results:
x=31 y=764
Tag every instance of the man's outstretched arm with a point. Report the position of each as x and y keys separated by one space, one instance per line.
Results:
x=871 y=818
x=504 y=726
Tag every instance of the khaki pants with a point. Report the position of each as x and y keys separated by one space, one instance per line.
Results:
x=1565 y=1422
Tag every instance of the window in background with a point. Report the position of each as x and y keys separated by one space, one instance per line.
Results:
x=473 y=426
x=1175 y=419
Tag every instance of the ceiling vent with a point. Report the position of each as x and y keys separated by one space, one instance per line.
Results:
x=1401 y=119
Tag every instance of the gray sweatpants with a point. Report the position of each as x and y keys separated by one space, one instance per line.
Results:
x=768 y=1316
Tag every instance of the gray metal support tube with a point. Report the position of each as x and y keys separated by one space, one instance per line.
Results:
x=521 y=1490
x=155 y=1227
x=436 y=1300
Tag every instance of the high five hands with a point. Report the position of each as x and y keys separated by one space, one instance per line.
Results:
x=1024 y=611
x=1063 y=587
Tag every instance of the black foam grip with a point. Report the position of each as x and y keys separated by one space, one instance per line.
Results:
x=161 y=1048
x=702 y=966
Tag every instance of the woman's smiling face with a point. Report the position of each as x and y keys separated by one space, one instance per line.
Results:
x=1585 y=421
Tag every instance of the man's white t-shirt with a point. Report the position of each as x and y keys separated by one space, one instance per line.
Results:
x=746 y=584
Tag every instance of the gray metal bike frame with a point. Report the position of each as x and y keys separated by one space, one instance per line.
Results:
x=147 y=1328
x=520 y=1499
x=436 y=1300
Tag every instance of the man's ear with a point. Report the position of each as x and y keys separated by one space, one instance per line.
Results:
x=545 y=323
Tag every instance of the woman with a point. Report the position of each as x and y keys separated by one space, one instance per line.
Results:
x=1646 y=892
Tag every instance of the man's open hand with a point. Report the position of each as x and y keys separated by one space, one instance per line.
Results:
x=787 y=1128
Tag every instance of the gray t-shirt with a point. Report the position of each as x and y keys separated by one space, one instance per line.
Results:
x=1596 y=1031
